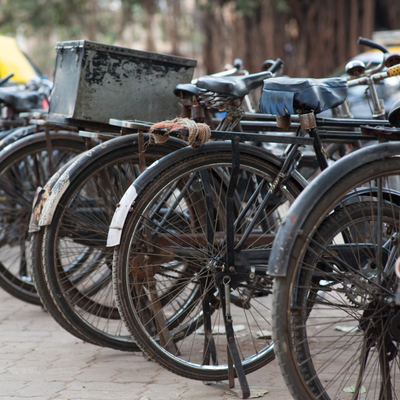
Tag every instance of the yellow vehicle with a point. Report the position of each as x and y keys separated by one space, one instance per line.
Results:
x=13 y=60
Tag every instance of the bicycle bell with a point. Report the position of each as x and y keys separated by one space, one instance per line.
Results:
x=392 y=59
x=355 y=68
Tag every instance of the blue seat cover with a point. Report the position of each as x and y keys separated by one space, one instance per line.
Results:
x=300 y=95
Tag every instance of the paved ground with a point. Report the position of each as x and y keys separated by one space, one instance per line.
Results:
x=40 y=361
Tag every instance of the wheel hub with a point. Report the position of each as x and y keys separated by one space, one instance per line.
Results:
x=381 y=321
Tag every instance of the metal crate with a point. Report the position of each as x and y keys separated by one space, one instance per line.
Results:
x=94 y=82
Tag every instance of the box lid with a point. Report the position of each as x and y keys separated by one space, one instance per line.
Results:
x=89 y=45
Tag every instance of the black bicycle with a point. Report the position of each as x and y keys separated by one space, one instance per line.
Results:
x=336 y=316
x=193 y=234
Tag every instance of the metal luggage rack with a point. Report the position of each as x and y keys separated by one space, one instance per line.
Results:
x=329 y=129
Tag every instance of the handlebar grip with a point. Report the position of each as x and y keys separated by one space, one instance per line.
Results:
x=372 y=44
x=393 y=71
x=276 y=66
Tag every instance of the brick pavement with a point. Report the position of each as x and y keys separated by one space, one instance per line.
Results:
x=41 y=361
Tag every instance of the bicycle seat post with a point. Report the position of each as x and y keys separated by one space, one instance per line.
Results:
x=283 y=121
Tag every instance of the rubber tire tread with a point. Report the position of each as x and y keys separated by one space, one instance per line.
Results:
x=43 y=291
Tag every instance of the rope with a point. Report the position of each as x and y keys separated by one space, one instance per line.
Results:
x=197 y=131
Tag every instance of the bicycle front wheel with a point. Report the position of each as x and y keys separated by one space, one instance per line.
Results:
x=336 y=323
x=166 y=269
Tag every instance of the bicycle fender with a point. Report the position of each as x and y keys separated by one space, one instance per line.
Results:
x=55 y=188
x=16 y=145
x=43 y=193
x=128 y=199
x=298 y=212
x=17 y=134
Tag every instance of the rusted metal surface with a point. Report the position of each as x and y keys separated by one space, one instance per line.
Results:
x=283 y=121
x=307 y=121
x=95 y=82
x=383 y=133
x=38 y=203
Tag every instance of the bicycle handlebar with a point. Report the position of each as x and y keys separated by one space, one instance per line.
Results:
x=393 y=71
x=372 y=44
x=365 y=80
x=276 y=66
x=6 y=78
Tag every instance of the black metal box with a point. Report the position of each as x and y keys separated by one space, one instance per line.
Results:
x=94 y=82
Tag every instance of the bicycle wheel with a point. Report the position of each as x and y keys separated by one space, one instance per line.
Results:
x=168 y=267
x=24 y=166
x=336 y=323
x=75 y=278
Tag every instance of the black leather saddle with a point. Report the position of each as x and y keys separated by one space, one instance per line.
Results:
x=235 y=86
x=20 y=100
x=301 y=95
x=188 y=88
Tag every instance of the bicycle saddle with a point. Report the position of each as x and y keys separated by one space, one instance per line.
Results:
x=301 y=95
x=20 y=100
x=394 y=114
x=187 y=87
x=235 y=86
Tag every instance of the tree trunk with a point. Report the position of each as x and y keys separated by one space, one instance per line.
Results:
x=174 y=20
x=150 y=7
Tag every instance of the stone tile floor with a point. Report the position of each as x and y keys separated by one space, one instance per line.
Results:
x=41 y=361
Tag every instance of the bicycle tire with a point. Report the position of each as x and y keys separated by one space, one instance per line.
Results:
x=76 y=240
x=179 y=294
x=24 y=166
x=336 y=270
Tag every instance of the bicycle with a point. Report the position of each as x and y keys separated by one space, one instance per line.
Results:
x=180 y=269
x=87 y=314
x=69 y=228
x=335 y=264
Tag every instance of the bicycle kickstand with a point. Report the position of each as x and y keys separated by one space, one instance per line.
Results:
x=234 y=362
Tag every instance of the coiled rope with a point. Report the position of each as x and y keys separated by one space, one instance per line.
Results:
x=197 y=132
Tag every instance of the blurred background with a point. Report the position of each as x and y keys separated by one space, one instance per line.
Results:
x=313 y=37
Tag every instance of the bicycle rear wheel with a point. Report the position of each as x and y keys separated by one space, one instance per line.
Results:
x=75 y=277
x=336 y=323
x=166 y=269
x=24 y=166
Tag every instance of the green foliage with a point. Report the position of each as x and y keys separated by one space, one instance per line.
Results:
x=247 y=7
x=39 y=15
x=69 y=17
x=282 y=6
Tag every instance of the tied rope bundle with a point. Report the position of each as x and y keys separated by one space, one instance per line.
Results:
x=196 y=131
